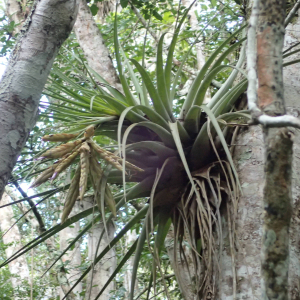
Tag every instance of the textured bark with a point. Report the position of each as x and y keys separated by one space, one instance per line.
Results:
x=103 y=270
x=45 y=29
x=278 y=152
x=92 y=44
x=18 y=268
x=277 y=213
x=249 y=160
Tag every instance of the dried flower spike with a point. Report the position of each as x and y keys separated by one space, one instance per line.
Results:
x=43 y=177
x=61 y=150
x=89 y=131
x=72 y=196
x=65 y=163
x=84 y=163
x=59 y=137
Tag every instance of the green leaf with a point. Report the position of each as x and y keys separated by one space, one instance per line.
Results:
x=157 y=102
x=124 y=3
x=157 y=148
x=94 y=9
x=162 y=133
x=213 y=3
x=129 y=97
x=196 y=84
x=47 y=234
x=160 y=78
x=157 y=16
x=169 y=63
x=195 y=150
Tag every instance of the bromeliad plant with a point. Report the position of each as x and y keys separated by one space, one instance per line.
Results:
x=181 y=162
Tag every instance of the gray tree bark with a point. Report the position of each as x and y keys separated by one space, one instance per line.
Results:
x=98 y=57
x=44 y=31
x=72 y=258
x=249 y=158
x=101 y=272
x=91 y=42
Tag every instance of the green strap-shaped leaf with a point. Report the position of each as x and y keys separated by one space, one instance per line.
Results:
x=199 y=98
x=230 y=80
x=191 y=122
x=160 y=79
x=120 y=107
x=113 y=91
x=226 y=103
x=157 y=102
x=195 y=86
x=162 y=133
x=169 y=63
x=134 y=79
x=138 y=252
x=81 y=233
x=130 y=100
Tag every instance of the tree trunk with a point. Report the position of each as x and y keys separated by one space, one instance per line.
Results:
x=98 y=58
x=92 y=44
x=45 y=29
x=18 y=268
x=102 y=271
x=72 y=259
x=249 y=158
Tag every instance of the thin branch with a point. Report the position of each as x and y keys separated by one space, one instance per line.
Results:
x=32 y=205
x=292 y=13
x=143 y=21
x=280 y=121
x=252 y=59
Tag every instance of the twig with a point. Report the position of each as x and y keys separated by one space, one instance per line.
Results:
x=292 y=13
x=251 y=58
x=31 y=204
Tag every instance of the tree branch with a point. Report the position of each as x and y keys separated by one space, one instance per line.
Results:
x=32 y=205
x=292 y=13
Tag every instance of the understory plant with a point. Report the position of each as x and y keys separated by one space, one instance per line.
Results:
x=180 y=161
